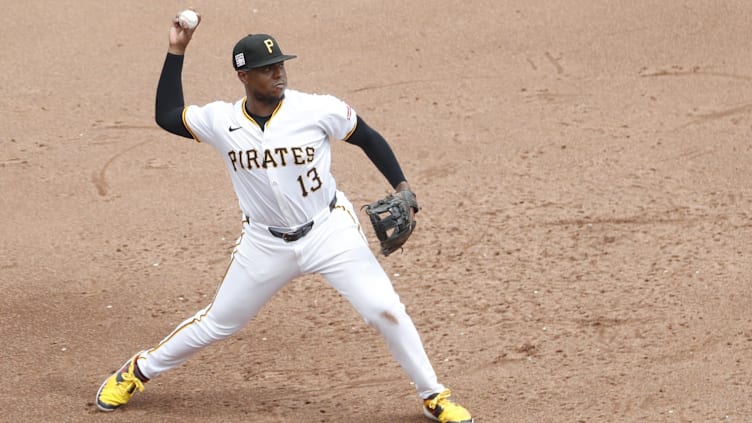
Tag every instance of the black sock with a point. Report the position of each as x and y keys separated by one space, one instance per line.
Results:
x=137 y=372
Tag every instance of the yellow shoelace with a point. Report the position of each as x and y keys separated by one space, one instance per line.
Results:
x=130 y=377
x=432 y=403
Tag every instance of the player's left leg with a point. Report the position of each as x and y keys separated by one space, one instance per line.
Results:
x=345 y=260
x=361 y=280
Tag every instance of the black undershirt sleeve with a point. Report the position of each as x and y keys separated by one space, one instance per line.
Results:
x=170 y=103
x=378 y=150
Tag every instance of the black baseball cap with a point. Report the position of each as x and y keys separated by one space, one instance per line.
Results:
x=257 y=50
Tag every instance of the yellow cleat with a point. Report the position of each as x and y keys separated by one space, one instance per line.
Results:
x=440 y=408
x=117 y=389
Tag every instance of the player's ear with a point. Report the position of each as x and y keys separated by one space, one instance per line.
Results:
x=242 y=76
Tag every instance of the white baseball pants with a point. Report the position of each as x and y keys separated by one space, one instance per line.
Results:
x=262 y=264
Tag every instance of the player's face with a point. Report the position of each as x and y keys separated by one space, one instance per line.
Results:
x=266 y=84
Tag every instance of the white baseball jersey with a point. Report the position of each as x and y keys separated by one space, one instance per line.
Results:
x=281 y=175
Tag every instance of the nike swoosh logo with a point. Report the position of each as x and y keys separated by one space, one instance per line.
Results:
x=234 y=129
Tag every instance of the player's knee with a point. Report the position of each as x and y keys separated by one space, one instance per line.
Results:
x=389 y=317
x=381 y=316
x=217 y=330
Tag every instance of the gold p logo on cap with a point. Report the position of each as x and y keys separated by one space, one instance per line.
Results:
x=269 y=44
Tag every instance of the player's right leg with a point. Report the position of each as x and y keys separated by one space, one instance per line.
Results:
x=244 y=290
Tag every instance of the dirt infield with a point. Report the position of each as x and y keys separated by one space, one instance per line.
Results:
x=583 y=253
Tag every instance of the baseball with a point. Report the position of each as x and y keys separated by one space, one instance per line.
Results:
x=188 y=19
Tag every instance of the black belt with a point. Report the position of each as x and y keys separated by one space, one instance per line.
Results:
x=294 y=235
x=301 y=231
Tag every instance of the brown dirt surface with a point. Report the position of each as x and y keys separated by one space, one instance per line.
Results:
x=583 y=253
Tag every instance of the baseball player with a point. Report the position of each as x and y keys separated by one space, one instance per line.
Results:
x=275 y=143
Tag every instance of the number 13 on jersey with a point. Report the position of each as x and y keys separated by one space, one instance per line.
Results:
x=310 y=182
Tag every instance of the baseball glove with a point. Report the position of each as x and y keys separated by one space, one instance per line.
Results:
x=393 y=219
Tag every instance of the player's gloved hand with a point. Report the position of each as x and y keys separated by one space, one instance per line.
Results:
x=410 y=198
x=393 y=219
